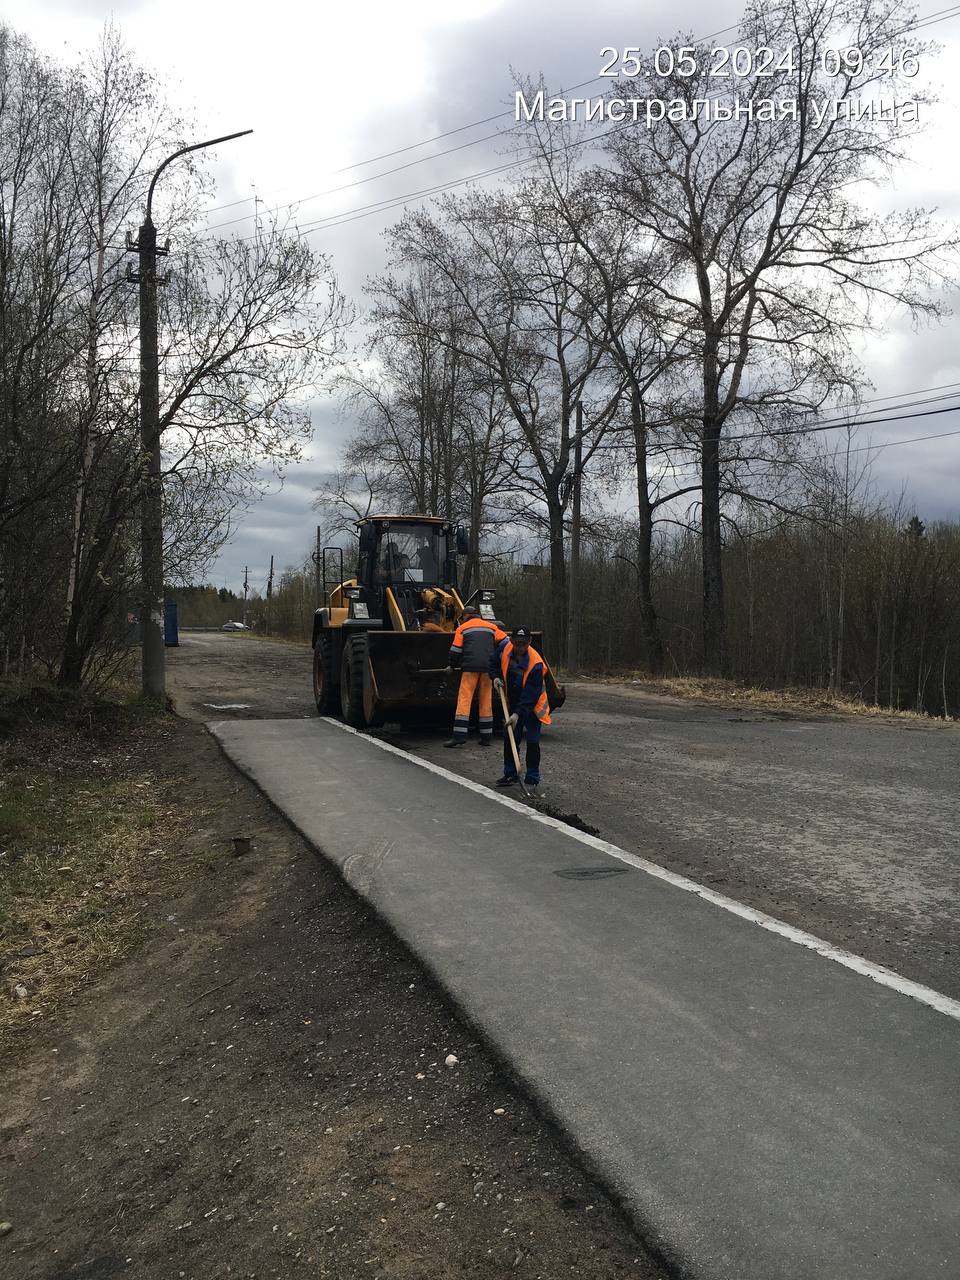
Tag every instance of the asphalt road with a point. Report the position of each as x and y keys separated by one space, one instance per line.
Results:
x=846 y=827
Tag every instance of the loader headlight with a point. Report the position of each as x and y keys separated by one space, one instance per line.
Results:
x=488 y=597
x=352 y=593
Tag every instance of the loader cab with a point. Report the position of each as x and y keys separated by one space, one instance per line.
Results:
x=400 y=552
x=407 y=573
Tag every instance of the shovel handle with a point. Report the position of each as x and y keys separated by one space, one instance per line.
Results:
x=513 y=741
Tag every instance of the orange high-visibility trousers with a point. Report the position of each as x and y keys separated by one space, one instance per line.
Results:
x=474 y=682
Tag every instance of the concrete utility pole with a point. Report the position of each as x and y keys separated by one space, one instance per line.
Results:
x=246 y=583
x=151 y=508
x=573 y=579
x=270 y=593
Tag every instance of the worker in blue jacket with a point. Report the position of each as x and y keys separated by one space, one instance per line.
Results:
x=520 y=671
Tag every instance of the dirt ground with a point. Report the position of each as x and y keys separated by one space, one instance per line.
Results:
x=842 y=825
x=262 y=1090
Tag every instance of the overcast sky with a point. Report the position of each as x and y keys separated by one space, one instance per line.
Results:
x=329 y=86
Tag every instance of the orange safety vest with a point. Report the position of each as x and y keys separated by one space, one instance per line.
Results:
x=474 y=652
x=542 y=708
x=471 y=623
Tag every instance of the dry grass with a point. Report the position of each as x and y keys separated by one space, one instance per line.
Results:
x=732 y=694
x=85 y=844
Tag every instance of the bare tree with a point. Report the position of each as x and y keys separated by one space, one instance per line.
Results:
x=433 y=428
x=249 y=328
x=777 y=262
x=520 y=283
x=121 y=128
x=41 y=254
x=625 y=313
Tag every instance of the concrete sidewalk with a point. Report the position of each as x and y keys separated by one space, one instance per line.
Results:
x=762 y=1111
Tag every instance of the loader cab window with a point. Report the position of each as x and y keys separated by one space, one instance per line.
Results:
x=410 y=553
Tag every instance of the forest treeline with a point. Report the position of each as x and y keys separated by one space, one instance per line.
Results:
x=868 y=611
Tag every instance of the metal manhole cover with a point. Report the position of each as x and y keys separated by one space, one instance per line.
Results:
x=590 y=873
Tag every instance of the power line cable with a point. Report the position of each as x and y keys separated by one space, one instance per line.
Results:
x=770 y=467
x=348 y=186
x=837 y=425
x=813 y=429
x=498 y=133
x=942 y=15
x=393 y=202
x=830 y=424
x=891 y=444
x=449 y=133
x=862 y=448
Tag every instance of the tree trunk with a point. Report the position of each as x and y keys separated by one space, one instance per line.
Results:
x=713 y=623
x=893 y=652
x=943 y=683
x=714 y=638
x=89 y=415
x=876 y=656
x=558 y=577
x=649 y=622
x=829 y=649
x=70 y=675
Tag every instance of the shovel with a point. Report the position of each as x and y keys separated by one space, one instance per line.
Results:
x=513 y=742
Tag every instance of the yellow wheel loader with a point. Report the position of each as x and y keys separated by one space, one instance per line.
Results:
x=382 y=639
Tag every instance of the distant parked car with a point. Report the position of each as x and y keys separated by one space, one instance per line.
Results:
x=234 y=626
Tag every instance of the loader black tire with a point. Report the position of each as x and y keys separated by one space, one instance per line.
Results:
x=326 y=691
x=353 y=673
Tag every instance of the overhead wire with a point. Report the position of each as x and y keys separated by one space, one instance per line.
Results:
x=759 y=467
x=348 y=186
x=499 y=133
x=837 y=425
x=350 y=215
x=937 y=16
x=438 y=137
x=909 y=400
x=776 y=466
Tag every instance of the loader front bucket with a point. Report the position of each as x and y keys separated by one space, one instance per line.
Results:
x=409 y=682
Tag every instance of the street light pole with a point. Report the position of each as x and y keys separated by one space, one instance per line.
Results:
x=151 y=507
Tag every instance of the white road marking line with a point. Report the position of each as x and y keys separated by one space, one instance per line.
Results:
x=876 y=972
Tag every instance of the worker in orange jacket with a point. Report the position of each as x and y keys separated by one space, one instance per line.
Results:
x=522 y=673
x=474 y=647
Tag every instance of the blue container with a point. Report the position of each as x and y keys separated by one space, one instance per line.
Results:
x=171 y=634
